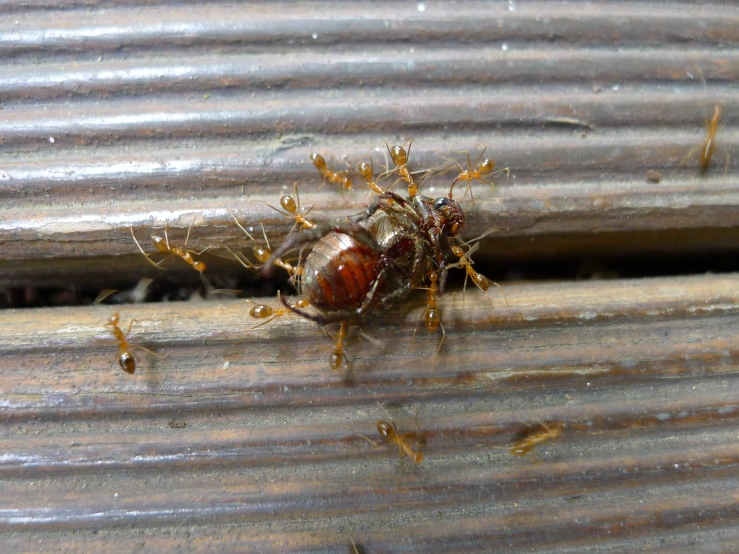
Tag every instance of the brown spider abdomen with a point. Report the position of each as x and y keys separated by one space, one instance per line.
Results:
x=339 y=272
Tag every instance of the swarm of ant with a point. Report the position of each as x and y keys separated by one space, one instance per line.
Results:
x=354 y=267
x=365 y=263
x=372 y=260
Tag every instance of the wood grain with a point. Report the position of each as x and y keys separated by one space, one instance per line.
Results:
x=136 y=115
x=249 y=428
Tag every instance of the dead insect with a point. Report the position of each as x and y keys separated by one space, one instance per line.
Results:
x=365 y=261
x=368 y=262
x=371 y=260
x=540 y=433
x=126 y=359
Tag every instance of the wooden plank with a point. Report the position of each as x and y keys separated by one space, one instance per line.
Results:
x=132 y=116
x=121 y=111
x=234 y=431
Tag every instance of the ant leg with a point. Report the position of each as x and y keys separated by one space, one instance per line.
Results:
x=319 y=318
x=203 y=251
x=187 y=238
x=166 y=238
x=148 y=259
x=685 y=159
x=129 y=327
x=139 y=347
x=243 y=260
x=502 y=291
x=726 y=168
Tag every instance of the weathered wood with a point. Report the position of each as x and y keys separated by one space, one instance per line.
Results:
x=149 y=113
x=210 y=114
x=250 y=427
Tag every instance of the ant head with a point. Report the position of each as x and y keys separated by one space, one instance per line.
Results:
x=318 y=160
x=335 y=361
x=366 y=170
x=384 y=428
x=160 y=244
x=450 y=214
x=127 y=362
x=488 y=164
x=399 y=155
x=114 y=319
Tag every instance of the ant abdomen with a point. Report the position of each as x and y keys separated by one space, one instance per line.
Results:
x=127 y=362
x=261 y=311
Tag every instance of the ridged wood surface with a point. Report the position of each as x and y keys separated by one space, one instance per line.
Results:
x=135 y=115
x=148 y=114
x=243 y=439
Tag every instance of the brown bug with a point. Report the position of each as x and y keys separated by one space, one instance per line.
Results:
x=539 y=434
x=375 y=258
x=370 y=261
x=126 y=359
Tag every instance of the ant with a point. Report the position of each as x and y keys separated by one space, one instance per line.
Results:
x=292 y=207
x=400 y=159
x=163 y=247
x=263 y=311
x=476 y=172
x=337 y=177
x=367 y=171
x=126 y=359
x=465 y=261
x=389 y=431
x=431 y=315
x=338 y=354
x=262 y=253
x=542 y=433
x=709 y=143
